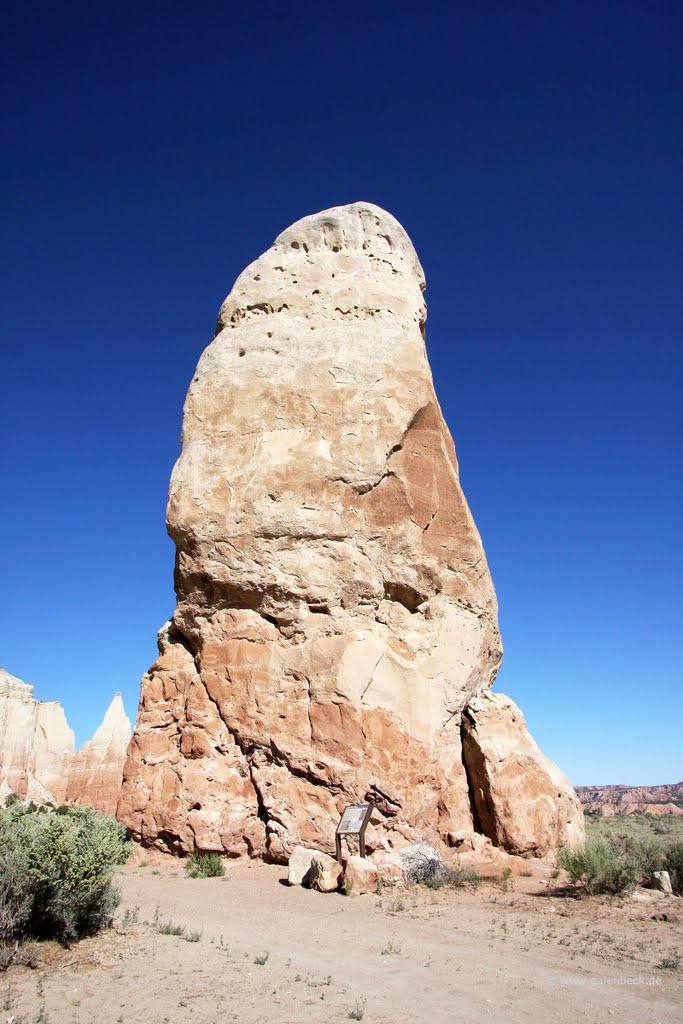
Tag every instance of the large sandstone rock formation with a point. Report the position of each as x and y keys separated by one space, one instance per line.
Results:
x=335 y=612
x=38 y=759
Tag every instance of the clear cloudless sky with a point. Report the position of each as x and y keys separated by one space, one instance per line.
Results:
x=534 y=153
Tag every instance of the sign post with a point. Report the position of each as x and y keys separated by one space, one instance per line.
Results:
x=353 y=822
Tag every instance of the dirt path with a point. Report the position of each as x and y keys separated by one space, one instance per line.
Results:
x=256 y=951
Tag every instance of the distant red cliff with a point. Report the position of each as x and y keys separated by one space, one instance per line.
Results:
x=610 y=800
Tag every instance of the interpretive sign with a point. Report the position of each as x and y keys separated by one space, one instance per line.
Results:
x=353 y=822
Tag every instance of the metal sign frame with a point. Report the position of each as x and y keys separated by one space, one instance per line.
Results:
x=356 y=827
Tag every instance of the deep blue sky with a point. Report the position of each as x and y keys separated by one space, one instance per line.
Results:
x=534 y=153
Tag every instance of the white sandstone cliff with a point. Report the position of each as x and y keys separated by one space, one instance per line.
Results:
x=38 y=759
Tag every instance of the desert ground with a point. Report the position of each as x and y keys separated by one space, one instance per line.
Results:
x=253 y=949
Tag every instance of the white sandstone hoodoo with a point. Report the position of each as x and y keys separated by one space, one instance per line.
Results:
x=38 y=758
x=335 y=613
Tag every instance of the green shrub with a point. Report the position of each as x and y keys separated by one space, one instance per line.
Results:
x=600 y=867
x=650 y=854
x=15 y=898
x=56 y=872
x=615 y=862
x=673 y=863
x=643 y=849
x=204 y=865
x=645 y=842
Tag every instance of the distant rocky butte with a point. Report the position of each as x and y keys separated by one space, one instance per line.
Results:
x=38 y=758
x=611 y=800
x=335 y=635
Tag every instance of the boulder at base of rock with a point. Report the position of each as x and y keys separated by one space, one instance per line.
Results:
x=360 y=876
x=466 y=841
x=522 y=800
x=325 y=873
x=662 y=881
x=300 y=864
x=389 y=871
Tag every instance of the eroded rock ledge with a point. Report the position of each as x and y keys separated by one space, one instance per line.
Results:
x=335 y=613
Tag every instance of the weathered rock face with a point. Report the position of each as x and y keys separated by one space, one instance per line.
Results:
x=335 y=611
x=38 y=760
x=522 y=800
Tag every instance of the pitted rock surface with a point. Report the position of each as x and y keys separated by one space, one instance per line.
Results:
x=335 y=611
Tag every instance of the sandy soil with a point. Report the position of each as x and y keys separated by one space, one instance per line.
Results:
x=256 y=950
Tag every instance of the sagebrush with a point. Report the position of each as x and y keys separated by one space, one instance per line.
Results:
x=56 y=871
x=599 y=867
x=204 y=865
x=618 y=856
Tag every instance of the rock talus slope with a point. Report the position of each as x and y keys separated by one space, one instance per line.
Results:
x=335 y=611
x=38 y=759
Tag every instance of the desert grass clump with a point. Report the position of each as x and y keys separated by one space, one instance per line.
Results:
x=670 y=963
x=391 y=949
x=16 y=955
x=169 y=928
x=204 y=865
x=56 y=872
